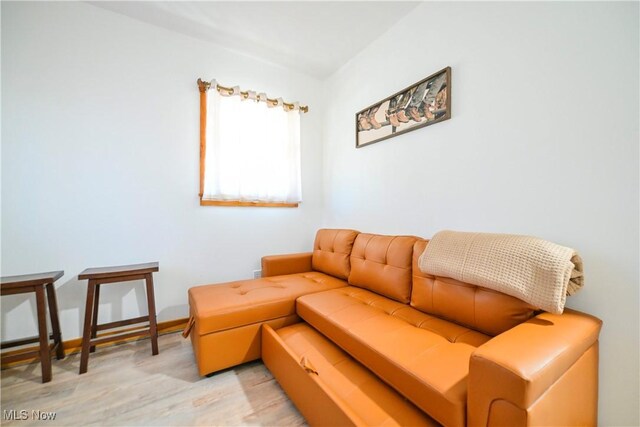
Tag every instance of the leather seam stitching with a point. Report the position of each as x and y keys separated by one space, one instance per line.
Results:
x=433 y=285
x=386 y=253
x=248 y=324
x=333 y=242
x=365 y=248
x=475 y=295
x=381 y=263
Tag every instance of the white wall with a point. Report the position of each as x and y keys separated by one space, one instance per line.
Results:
x=543 y=141
x=100 y=151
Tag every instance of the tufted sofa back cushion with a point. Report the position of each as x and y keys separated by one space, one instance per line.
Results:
x=481 y=309
x=382 y=264
x=331 y=252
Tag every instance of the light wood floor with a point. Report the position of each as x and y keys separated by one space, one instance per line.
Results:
x=125 y=385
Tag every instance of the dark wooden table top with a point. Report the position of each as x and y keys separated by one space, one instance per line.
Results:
x=118 y=271
x=30 y=279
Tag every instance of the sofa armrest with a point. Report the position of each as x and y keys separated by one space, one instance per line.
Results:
x=512 y=371
x=277 y=265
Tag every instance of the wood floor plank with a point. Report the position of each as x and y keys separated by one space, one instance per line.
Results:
x=126 y=386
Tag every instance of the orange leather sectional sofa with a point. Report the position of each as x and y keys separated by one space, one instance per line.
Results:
x=356 y=334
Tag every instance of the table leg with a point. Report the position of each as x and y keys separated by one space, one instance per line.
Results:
x=153 y=328
x=55 y=322
x=94 y=321
x=45 y=356
x=86 y=334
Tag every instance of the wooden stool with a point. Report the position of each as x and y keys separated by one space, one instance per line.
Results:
x=37 y=283
x=100 y=276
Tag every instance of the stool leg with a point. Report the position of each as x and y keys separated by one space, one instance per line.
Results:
x=45 y=356
x=86 y=334
x=55 y=322
x=153 y=328
x=94 y=321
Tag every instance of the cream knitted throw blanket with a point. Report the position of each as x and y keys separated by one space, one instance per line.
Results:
x=536 y=271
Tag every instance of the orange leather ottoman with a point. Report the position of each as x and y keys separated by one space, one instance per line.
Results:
x=226 y=318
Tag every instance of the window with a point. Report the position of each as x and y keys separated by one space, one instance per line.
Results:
x=250 y=148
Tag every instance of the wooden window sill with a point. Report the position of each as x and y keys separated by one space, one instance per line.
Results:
x=247 y=204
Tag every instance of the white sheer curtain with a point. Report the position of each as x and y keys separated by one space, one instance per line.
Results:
x=253 y=150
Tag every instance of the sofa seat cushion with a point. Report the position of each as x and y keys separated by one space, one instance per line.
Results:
x=230 y=305
x=423 y=357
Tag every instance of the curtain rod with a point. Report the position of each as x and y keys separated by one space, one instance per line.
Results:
x=204 y=86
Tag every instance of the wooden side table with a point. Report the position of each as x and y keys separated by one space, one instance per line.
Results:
x=11 y=285
x=104 y=275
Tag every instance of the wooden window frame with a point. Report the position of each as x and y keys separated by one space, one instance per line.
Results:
x=203 y=87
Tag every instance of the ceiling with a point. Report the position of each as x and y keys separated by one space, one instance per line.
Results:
x=310 y=36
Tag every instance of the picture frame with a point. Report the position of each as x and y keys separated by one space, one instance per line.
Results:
x=422 y=104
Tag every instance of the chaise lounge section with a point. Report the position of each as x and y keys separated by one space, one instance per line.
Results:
x=225 y=319
x=375 y=341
